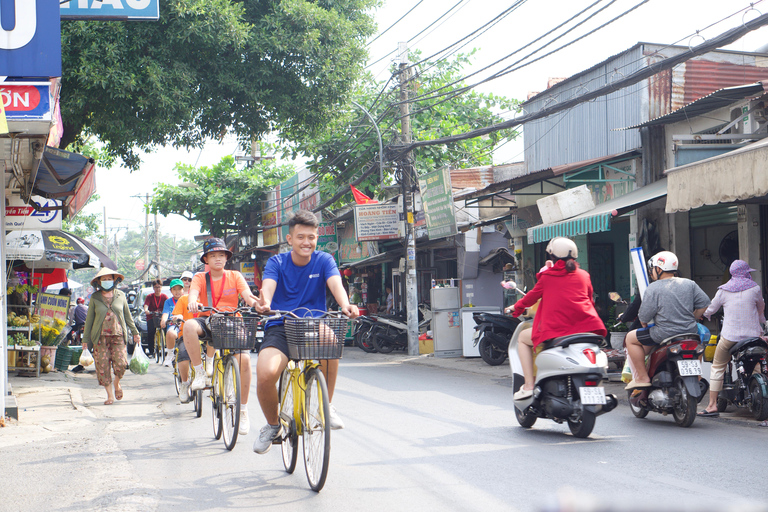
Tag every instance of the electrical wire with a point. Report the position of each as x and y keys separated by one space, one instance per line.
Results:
x=395 y=23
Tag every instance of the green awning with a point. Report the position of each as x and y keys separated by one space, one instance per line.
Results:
x=599 y=218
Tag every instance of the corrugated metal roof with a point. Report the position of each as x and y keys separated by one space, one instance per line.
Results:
x=476 y=178
x=704 y=76
x=718 y=99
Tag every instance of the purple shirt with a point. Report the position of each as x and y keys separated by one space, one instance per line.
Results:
x=744 y=313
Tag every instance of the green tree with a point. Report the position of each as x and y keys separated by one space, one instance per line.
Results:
x=349 y=145
x=208 y=67
x=223 y=197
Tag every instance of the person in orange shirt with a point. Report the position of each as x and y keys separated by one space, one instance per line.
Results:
x=226 y=286
x=181 y=312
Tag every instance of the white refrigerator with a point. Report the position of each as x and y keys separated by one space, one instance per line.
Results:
x=446 y=322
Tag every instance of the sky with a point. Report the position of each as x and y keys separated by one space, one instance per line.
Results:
x=655 y=21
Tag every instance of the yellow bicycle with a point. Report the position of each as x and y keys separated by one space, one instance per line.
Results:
x=304 y=403
x=230 y=335
x=159 y=337
x=197 y=396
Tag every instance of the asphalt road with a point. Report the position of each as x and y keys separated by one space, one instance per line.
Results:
x=417 y=438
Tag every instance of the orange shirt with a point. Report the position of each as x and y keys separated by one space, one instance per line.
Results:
x=224 y=295
x=181 y=308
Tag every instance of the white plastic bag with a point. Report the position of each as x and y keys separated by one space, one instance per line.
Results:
x=139 y=362
x=86 y=358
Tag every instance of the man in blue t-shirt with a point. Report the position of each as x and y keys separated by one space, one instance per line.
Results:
x=292 y=280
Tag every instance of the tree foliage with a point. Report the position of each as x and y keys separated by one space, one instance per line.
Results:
x=223 y=197
x=208 y=67
x=349 y=145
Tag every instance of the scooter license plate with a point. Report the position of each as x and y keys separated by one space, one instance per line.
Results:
x=690 y=367
x=592 y=395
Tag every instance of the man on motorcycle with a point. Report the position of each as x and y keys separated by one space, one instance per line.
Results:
x=672 y=303
x=566 y=306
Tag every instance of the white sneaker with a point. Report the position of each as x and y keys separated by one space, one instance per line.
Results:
x=267 y=435
x=522 y=394
x=184 y=396
x=245 y=423
x=198 y=383
x=209 y=366
x=334 y=421
x=168 y=357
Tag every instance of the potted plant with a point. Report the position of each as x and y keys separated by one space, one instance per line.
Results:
x=617 y=330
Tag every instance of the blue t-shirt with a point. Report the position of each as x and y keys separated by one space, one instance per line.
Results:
x=300 y=287
x=168 y=307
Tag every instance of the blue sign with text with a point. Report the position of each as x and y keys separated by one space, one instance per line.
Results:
x=30 y=38
x=111 y=9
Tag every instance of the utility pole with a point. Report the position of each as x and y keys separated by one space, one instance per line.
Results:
x=146 y=235
x=411 y=292
x=157 y=246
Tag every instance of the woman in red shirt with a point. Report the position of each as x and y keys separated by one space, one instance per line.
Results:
x=567 y=306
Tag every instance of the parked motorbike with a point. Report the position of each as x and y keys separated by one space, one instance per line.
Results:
x=749 y=390
x=492 y=335
x=569 y=370
x=363 y=331
x=675 y=372
x=391 y=332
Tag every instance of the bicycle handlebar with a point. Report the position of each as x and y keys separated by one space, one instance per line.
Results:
x=272 y=315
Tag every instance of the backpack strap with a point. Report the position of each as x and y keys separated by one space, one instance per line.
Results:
x=208 y=288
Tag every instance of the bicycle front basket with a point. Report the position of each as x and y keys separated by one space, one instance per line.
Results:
x=315 y=338
x=233 y=332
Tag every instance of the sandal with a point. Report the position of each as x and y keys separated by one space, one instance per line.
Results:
x=108 y=401
x=763 y=424
x=708 y=414
x=119 y=394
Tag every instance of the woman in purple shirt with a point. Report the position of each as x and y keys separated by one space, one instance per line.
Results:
x=743 y=318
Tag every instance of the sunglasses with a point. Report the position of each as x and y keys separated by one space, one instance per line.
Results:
x=186 y=279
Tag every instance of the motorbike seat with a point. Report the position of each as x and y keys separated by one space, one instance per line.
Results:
x=502 y=320
x=681 y=337
x=743 y=344
x=564 y=341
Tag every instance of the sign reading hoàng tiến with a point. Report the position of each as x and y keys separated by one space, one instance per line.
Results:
x=437 y=198
x=377 y=222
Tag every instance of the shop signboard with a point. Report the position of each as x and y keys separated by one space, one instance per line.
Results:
x=327 y=240
x=31 y=45
x=20 y=215
x=118 y=10
x=351 y=250
x=26 y=101
x=55 y=307
x=377 y=222
x=247 y=268
x=437 y=199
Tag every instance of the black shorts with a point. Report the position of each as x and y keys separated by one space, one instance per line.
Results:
x=203 y=323
x=644 y=337
x=274 y=337
x=183 y=354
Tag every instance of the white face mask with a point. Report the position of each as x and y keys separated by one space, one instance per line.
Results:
x=107 y=285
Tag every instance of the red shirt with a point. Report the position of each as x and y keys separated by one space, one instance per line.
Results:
x=154 y=302
x=566 y=304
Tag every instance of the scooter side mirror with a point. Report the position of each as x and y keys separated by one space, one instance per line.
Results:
x=509 y=285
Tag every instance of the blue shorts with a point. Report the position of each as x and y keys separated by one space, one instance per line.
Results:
x=644 y=337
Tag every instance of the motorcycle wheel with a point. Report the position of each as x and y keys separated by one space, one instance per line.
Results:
x=639 y=411
x=684 y=412
x=526 y=420
x=382 y=345
x=722 y=404
x=490 y=354
x=584 y=426
x=363 y=339
x=759 y=404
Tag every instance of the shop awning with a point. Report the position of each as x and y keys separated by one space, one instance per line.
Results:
x=599 y=218
x=735 y=176
x=65 y=176
x=376 y=260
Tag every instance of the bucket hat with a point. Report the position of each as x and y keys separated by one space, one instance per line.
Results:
x=106 y=272
x=214 y=244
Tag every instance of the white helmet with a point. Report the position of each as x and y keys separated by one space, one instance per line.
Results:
x=665 y=260
x=187 y=274
x=561 y=247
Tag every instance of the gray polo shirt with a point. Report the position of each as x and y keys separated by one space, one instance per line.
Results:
x=669 y=304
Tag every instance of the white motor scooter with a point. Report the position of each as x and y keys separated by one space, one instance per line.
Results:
x=569 y=370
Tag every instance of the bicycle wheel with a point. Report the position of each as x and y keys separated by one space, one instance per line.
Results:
x=218 y=423
x=176 y=376
x=316 y=431
x=159 y=346
x=290 y=438
x=230 y=401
